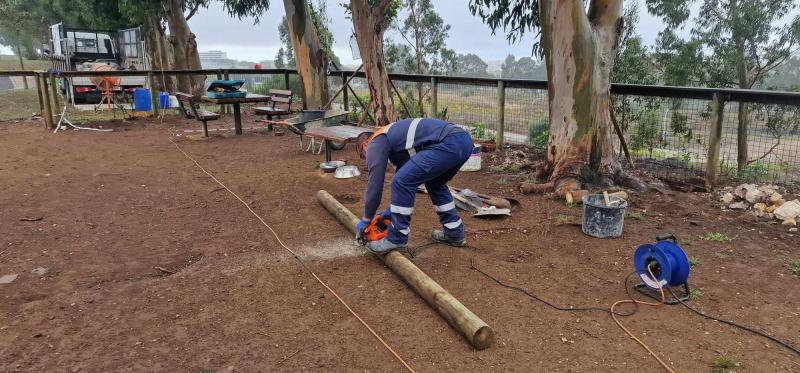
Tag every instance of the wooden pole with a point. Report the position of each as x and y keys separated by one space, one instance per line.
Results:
x=712 y=163
x=154 y=99
x=400 y=97
x=344 y=92
x=229 y=108
x=501 y=113
x=286 y=79
x=366 y=109
x=477 y=332
x=56 y=103
x=48 y=109
x=37 y=81
x=434 y=98
x=622 y=143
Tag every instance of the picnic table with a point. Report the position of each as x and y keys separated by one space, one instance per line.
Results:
x=340 y=134
x=236 y=102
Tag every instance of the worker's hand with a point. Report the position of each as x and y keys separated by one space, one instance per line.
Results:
x=386 y=214
x=360 y=227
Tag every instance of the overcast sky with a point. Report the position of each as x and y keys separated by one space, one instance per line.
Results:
x=243 y=40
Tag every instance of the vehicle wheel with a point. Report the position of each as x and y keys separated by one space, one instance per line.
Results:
x=337 y=146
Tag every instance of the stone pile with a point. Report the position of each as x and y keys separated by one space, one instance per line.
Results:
x=762 y=201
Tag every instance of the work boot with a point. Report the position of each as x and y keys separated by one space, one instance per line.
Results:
x=384 y=246
x=439 y=236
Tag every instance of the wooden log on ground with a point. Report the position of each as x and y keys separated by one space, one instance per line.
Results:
x=477 y=332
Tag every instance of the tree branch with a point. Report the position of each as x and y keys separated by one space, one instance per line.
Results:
x=605 y=13
x=193 y=11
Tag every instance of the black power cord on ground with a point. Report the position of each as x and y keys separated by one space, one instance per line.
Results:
x=473 y=253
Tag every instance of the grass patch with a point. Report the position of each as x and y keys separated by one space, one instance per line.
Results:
x=502 y=181
x=716 y=236
x=695 y=294
x=562 y=219
x=635 y=215
x=794 y=266
x=693 y=261
x=8 y=62
x=18 y=104
x=721 y=255
x=725 y=364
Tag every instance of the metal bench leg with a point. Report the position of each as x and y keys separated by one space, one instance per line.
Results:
x=205 y=128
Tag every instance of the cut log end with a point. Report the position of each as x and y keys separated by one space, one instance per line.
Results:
x=483 y=338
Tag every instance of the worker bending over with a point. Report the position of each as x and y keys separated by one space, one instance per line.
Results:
x=423 y=151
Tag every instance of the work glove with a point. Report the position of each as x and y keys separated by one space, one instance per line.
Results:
x=386 y=214
x=360 y=227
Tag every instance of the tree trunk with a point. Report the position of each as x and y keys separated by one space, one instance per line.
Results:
x=579 y=53
x=22 y=66
x=157 y=53
x=418 y=52
x=184 y=49
x=370 y=24
x=311 y=59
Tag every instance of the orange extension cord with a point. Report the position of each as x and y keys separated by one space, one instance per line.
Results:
x=375 y=334
x=632 y=301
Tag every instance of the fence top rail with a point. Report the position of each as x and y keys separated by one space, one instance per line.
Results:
x=729 y=94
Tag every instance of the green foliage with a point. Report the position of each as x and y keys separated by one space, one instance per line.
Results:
x=634 y=63
x=716 y=236
x=648 y=132
x=479 y=131
x=539 y=134
x=502 y=181
x=694 y=294
x=726 y=364
x=524 y=68
x=514 y=17
x=356 y=110
x=693 y=261
x=425 y=35
x=470 y=65
x=794 y=266
x=635 y=215
x=754 y=171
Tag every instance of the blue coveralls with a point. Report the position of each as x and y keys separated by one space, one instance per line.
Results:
x=424 y=151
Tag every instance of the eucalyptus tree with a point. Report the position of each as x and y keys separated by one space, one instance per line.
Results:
x=579 y=45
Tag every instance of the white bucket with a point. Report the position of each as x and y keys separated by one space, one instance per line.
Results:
x=474 y=161
x=173 y=101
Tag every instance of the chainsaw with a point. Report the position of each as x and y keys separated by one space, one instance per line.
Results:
x=376 y=230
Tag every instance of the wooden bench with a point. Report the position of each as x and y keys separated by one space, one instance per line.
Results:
x=280 y=102
x=191 y=109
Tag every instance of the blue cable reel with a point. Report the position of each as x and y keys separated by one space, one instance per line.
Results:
x=668 y=264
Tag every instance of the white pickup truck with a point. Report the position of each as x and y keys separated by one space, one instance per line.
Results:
x=74 y=49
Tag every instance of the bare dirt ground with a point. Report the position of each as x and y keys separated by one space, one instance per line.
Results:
x=114 y=206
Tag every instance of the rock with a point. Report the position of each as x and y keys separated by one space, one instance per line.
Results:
x=768 y=189
x=792 y=229
x=7 y=279
x=789 y=222
x=760 y=206
x=741 y=205
x=769 y=215
x=779 y=202
x=788 y=210
x=771 y=209
x=753 y=195
x=741 y=190
x=774 y=197
x=727 y=199
x=40 y=271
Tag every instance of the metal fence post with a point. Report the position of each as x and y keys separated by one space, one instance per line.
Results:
x=219 y=77
x=344 y=91
x=712 y=163
x=153 y=93
x=501 y=113
x=48 y=109
x=227 y=76
x=286 y=78
x=37 y=81
x=434 y=98
x=56 y=103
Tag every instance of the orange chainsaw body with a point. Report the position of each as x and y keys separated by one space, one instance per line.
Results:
x=377 y=229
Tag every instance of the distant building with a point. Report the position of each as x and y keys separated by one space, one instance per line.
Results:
x=214 y=59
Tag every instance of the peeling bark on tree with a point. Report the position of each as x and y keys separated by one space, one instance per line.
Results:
x=311 y=59
x=184 y=49
x=370 y=24
x=155 y=42
x=579 y=52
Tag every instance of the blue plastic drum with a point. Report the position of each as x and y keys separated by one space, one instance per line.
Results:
x=142 y=100
x=163 y=100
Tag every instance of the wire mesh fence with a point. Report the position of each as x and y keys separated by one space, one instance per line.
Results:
x=667 y=129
